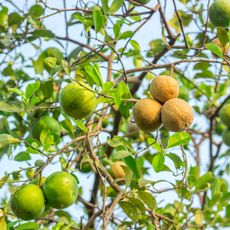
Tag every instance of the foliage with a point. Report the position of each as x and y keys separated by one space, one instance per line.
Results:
x=172 y=180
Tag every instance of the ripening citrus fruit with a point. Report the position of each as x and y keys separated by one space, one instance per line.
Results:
x=219 y=13
x=117 y=170
x=43 y=123
x=77 y=100
x=225 y=114
x=28 y=202
x=60 y=190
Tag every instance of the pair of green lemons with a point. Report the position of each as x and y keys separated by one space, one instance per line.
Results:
x=59 y=191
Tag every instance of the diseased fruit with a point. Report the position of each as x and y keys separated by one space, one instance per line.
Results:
x=117 y=170
x=45 y=122
x=184 y=93
x=60 y=189
x=225 y=114
x=176 y=115
x=28 y=202
x=164 y=88
x=146 y=114
x=77 y=100
x=219 y=13
x=226 y=137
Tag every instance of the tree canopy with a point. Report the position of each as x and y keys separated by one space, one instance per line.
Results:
x=72 y=74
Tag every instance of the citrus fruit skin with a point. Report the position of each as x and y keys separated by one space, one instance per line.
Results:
x=117 y=170
x=219 y=13
x=176 y=115
x=85 y=167
x=225 y=114
x=164 y=88
x=146 y=114
x=28 y=202
x=60 y=190
x=77 y=100
x=226 y=136
x=43 y=123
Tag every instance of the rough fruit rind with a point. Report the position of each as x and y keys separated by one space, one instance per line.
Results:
x=60 y=190
x=146 y=114
x=164 y=88
x=28 y=202
x=225 y=114
x=176 y=115
x=219 y=13
x=77 y=100
x=117 y=170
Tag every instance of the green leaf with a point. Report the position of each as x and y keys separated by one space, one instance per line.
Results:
x=116 y=30
x=204 y=181
x=81 y=125
x=36 y=11
x=98 y=19
x=6 y=139
x=121 y=154
x=138 y=203
x=181 y=138
x=43 y=33
x=65 y=66
x=32 y=88
x=22 y=156
x=222 y=34
x=28 y=226
x=12 y=107
x=131 y=163
x=4 y=17
x=130 y=210
x=152 y=141
x=116 y=5
x=105 y=6
x=158 y=162
x=176 y=160
x=14 y=19
x=125 y=35
x=214 y=49
x=94 y=74
x=148 y=199
x=50 y=62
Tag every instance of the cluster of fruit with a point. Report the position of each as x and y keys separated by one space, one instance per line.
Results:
x=225 y=118
x=59 y=191
x=175 y=113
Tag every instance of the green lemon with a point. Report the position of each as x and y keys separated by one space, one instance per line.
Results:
x=77 y=100
x=60 y=190
x=45 y=122
x=28 y=202
x=85 y=167
x=225 y=114
x=226 y=137
x=219 y=13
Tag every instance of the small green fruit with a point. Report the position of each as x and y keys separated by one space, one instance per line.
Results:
x=77 y=100
x=43 y=123
x=28 y=202
x=226 y=137
x=60 y=189
x=219 y=13
x=225 y=114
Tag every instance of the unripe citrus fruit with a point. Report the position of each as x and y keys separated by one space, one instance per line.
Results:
x=43 y=123
x=164 y=88
x=60 y=190
x=225 y=114
x=28 y=202
x=146 y=114
x=117 y=170
x=219 y=13
x=77 y=100
x=85 y=167
x=176 y=115
x=226 y=136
